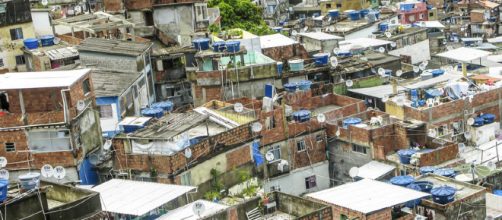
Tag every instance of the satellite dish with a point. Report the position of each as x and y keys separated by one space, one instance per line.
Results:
x=107 y=145
x=198 y=208
x=349 y=83
x=399 y=101
x=432 y=132
x=385 y=98
x=238 y=107
x=59 y=172
x=381 y=71
x=47 y=171
x=256 y=127
x=334 y=61
x=305 y=29
x=3 y=162
x=449 y=69
x=491 y=165
x=393 y=44
x=381 y=50
x=470 y=121
x=321 y=118
x=188 y=152
x=416 y=69
x=78 y=9
x=269 y=156
x=399 y=73
x=422 y=66
x=467 y=135
x=353 y=172
x=44 y=2
x=4 y=174
x=80 y=105
x=388 y=34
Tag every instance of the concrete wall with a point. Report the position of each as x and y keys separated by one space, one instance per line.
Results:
x=109 y=61
x=175 y=20
x=27 y=207
x=10 y=49
x=109 y=125
x=294 y=182
x=342 y=158
x=418 y=52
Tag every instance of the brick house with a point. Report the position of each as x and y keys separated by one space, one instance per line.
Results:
x=48 y=118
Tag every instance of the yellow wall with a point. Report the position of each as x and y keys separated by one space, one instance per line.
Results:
x=392 y=109
x=346 y=5
x=10 y=49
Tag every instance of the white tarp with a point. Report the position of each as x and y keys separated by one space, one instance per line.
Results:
x=464 y=54
x=49 y=79
x=374 y=170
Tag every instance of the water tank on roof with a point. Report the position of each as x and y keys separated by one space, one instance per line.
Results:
x=425 y=186
x=415 y=202
x=296 y=65
x=219 y=46
x=446 y=172
x=301 y=116
x=29 y=181
x=321 y=59
x=304 y=85
x=405 y=155
x=478 y=122
x=402 y=180
x=354 y=15
x=384 y=26
x=201 y=43
x=488 y=118
x=497 y=192
x=437 y=72
x=290 y=87
x=31 y=43
x=153 y=112
x=280 y=67
x=165 y=105
x=427 y=169
x=443 y=194
x=334 y=13
x=4 y=186
x=351 y=121
x=47 y=40
x=364 y=12
x=233 y=46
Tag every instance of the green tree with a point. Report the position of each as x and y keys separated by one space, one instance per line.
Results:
x=241 y=14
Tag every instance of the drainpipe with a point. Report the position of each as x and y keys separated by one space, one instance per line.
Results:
x=65 y=106
x=23 y=110
x=464 y=69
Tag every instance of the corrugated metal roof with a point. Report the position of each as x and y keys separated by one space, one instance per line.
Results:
x=374 y=170
x=108 y=83
x=171 y=125
x=48 y=79
x=114 y=46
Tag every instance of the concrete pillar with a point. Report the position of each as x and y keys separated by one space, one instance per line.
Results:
x=464 y=69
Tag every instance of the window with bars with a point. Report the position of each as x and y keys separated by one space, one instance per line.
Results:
x=359 y=149
x=49 y=140
x=10 y=147
x=105 y=111
x=300 y=145
x=276 y=150
x=16 y=33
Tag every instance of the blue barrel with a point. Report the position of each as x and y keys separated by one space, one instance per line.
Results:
x=290 y=87
x=351 y=121
x=277 y=29
x=497 y=192
x=167 y=106
x=201 y=43
x=446 y=172
x=31 y=43
x=375 y=13
x=343 y=54
x=334 y=13
x=415 y=202
x=301 y=116
x=443 y=194
x=427 y=169
x=413 y=95
x=132 y=128
x=280 y=67
x=437 y=72
x=488 y=118
x=153 y=112
x=304 y=85
x=29 y=181
x=425 y=186
x=296 y=65
x=364 y=12
x=405 y=155
x=4 y=186
x=384 y=26
x=478 y=122
x=406 y=6
x=421 y=102
x=233 y=46
x=219 y=46
x=281 y=23
x=197 y=139
x=432 y=93
x=354 y=15
x=47 y=40
x=321 y=59
x=402 y=180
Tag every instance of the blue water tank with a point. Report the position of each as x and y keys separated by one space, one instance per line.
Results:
x=233 y=46
x=351 y=121
x=31 y=43
x=88 y=174
x=321 y=59
x=301 y=116
x=132 y=128
x=437 y=72
x=29 y=181
x=4 y=186
x=497 y=192
x=269 y=90
x=488 y=118
x=167 y=106
x=432 y=93
x=281 y=23
x=384 y=26
x=334 y=13
x=405 y=155
x=415 y=202
x=402 y=180
x=280 y=67
x=304 y=85
x=375 y=13
x=153 y=112
x=446 y=172
x=343 y=54
x=427 y=169
x=201 y=43
x=296 y=65
x=406 y=6
x=443 y=194
x=197 y=139
x=354 y=15
x=47 y=40
x=364 y=12
x=219 y=46
x=413 y=95
x=478 y=122
x=290 y=87
x=425 y=186
x=277 y=29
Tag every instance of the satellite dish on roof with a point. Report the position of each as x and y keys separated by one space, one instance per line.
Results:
x=381 y=71
x=388 y=34
x=399 y=73
x=4 y=174
x=336 y=50
x=432 y=132
x=269 y=156
x=393 y=44
x=57 y=40
x=107 y=145
x=416 y=69
x=422 y=66
x=333 y=61
x=78 y=9
x=80 y=105
x=238 y=107
x=399 y=101
x=47 y=171
x=198 y=208
x=305 y=29
x=461 y=147
x=470 y=121
x=3 y=162
x=321 y=118
x=44 y=2
x=425 y=62
x=256 y=127
x=188 y=152
x=381 y=50
x=59 y=172
x=353 y=172
x=349 y=83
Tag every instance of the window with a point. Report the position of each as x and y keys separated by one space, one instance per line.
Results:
x=358 y=148
x=328 y=5
x=276 y=150
x=20 y=60
x=9 y=147
x=201 y=11
x=310 y=182
x=300 y=145
x=105 y=111
x=422 y=16
x=343 y=217
x=319 y=138
x=49 y=140
x=4 y=101
x=338 y=5
x=186 y=179
x=16 y=34
x=1 y=62
x=86 y=86
x=431 y=14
